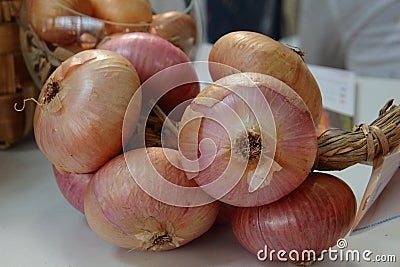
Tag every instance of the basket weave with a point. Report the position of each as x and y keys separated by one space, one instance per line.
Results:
x=15 y=82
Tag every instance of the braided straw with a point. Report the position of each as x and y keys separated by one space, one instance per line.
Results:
x=362 y=144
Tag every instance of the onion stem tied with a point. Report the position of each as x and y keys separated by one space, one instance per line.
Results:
x=362 y=144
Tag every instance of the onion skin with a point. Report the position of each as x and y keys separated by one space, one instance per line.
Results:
x=296 y=141
x=150 y=54
x=120 y=212
x=313 y=217
x=46 y=17
x=255 y=52
x=178 y=28
x=80 y=128
x=73 y=187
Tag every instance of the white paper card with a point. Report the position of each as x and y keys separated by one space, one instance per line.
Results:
x=380 y=203
x=338 y=88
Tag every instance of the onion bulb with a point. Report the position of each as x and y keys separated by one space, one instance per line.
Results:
x=178 y=28
x=58 y=21
x=73 y=187
x=311 y=218
x=121 y=14
x=78 y=122
x=122 y=213
x=150 y=54
x=247 y=139
x=255 y=52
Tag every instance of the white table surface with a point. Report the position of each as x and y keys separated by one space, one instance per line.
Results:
x=39 y=228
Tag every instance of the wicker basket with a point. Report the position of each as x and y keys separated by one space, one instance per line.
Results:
x=15 y=82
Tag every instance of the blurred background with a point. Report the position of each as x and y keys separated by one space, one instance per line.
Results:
x=272 y=17
x=358 y=35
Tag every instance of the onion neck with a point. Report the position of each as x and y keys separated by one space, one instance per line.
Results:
x=161 y=239
x=158 y=236
x=248 y=146
x=52 y=89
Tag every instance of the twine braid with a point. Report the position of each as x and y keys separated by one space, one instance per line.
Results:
x=361 y=145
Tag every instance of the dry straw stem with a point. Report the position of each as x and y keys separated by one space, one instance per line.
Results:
x=362 y=144
x=154 y=124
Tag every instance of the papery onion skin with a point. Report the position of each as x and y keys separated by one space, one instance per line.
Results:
x=150 y=54
x=120 y=212
x=296 y=141
x=254 y=52
x=73 y=187
x=178 y=28
x=46 y=18
x=80 y=128
x=313 y=217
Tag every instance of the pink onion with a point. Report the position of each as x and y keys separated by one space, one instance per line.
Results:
x=122 y=213
x=78 y=122
x=150 y=54
x=248 y=139
x=311 y=218
x=254 y=52
x=178 y=28
x=73 y=187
